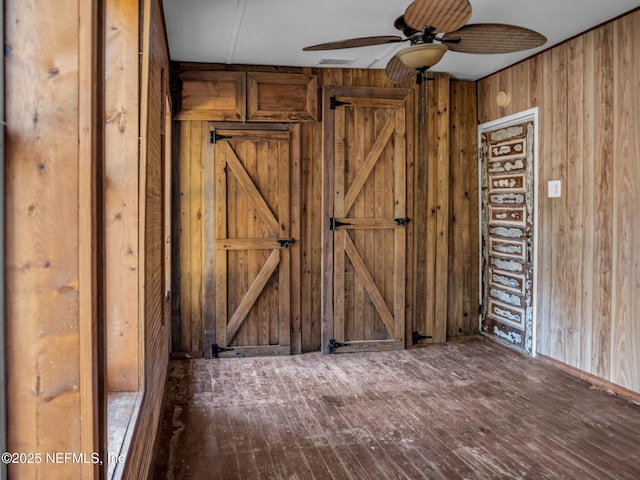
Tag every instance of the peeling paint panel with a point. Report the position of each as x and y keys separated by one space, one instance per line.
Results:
x=506 y=166
x=508 y=150
x=507 y=313
x=509 y=281
x=511 y=336
x=506 y=297
x=507 y=215
x=515 y=249
x=507 y=182
x=507 y=198
x=509 y=265
x=502 y=134
x=507 y=232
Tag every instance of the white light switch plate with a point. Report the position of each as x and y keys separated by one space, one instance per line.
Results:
x=554 y=189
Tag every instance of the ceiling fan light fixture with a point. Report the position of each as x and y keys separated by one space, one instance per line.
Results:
x=422 y=55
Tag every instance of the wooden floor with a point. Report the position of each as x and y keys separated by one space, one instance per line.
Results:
x=468 y=409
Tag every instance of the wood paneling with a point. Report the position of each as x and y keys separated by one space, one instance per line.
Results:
x=437 y=226
x=445 y=216
x=463 y=278
x=282 y=97
x=191 y=219
x=121 y=195
x=213 y=96
x=52 y=129
x=589 y=109
x=154 y=88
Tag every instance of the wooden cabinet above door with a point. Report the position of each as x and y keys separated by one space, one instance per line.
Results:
x=213 y=96
x=254 y=96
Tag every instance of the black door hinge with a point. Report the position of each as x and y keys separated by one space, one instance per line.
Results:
x=286 y=242
x=401 y=222
x=214 y=136
x=334 y=103
x=333 y=345
x=215 y=350
x=333 y=224
x=417 y=336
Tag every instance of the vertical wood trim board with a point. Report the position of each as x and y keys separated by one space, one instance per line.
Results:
x=121 y=131
x=437 y=231
x=589 y=255
x=463 y=277
x=89 y=159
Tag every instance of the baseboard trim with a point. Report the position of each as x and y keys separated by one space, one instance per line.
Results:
x=592 y=379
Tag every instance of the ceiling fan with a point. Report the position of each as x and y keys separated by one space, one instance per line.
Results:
x=432 y=27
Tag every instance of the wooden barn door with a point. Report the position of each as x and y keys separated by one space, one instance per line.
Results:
x=507 y=155
x=250 y=221
x=365 y=248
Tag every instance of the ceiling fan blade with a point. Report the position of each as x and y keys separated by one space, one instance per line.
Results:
x=442 y=15
x=398 y=71
x=493 y=38
x=354 y=42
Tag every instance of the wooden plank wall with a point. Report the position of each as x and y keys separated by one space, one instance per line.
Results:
x=445 y=212
x=51 y=158
x=589 y=239
x=121 y=194
x=156 y=338
x=463 y=280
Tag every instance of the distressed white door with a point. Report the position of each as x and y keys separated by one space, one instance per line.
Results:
x=507 y=204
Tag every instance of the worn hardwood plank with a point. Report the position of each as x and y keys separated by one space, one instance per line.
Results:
x=443 y=412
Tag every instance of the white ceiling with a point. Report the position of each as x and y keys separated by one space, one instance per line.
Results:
x=273 y=32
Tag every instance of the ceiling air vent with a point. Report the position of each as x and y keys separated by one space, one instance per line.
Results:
x=336 y=62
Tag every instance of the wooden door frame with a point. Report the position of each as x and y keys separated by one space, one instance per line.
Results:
x=530 y=115
x=328 y=186
x=208 y=271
